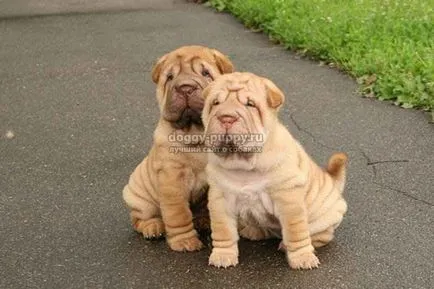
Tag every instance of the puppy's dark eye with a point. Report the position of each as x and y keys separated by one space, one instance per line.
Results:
x=215 y=102
x=169 y=76
x=205 y=72
x=250 y=103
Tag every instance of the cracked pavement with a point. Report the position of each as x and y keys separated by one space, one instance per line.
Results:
x=76 y=91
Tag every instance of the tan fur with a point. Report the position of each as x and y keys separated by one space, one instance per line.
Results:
x=163 y=185
x=279 y=192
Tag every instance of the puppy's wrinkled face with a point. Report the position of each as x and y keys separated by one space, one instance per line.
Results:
x=239 y=111
x=181 y=75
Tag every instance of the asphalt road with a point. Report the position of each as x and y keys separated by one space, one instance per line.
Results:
x=77 y=111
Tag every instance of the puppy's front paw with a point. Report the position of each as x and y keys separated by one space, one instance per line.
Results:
x=187 y=244
x=253 y=233
x=304 y=261
x=151 y=229
x=223 y=259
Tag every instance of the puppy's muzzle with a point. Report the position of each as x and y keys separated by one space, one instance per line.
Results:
x=185 y=104
x=188 y=92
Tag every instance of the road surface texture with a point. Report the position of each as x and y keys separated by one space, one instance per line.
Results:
x=77 y=112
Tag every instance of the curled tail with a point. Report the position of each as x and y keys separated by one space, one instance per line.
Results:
x=336 y=167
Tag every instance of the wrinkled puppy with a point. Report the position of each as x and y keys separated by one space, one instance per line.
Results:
x=262 y=182
x=167 y=181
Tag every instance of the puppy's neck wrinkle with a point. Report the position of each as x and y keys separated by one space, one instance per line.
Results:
x=187 y=127
x=169 y=128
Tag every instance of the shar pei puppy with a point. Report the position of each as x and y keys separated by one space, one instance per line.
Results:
x=262 y=182
x=172 y=176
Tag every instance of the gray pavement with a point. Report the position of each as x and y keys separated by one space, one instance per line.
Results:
x=76 y=91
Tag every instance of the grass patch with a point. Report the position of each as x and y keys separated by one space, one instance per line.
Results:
x=387 y=45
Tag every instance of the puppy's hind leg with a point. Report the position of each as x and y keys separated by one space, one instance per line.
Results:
x=322 y=238
x=322 y=231
x=145 y=216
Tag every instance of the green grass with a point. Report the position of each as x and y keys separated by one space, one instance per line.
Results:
x=387 y=45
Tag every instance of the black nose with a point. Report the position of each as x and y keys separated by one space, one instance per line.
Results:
x=186 y=89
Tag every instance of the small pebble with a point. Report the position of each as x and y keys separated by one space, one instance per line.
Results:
x=10 y=134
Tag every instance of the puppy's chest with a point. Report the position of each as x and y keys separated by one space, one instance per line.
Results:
x=248 y=198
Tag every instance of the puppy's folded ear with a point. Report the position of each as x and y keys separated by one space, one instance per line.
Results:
x=156 y=70
x=223 y=63
x=275 y=96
